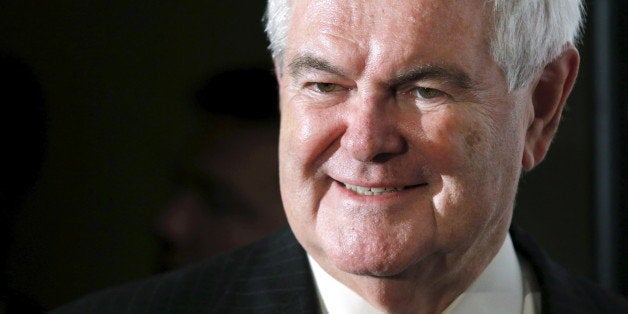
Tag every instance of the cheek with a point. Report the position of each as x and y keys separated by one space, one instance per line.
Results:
x=475 y=155
x=307 y=138
x=470 y=137
x=463 y=150
x=455 y=141
x=307 y=135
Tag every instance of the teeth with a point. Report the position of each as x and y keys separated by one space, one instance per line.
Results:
x=372 y=191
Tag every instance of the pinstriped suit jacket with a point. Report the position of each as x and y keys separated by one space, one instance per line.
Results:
x=273 y=276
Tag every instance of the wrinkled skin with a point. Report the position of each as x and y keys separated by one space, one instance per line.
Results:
x=407 y=96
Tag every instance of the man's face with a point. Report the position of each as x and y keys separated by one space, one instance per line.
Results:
x=400 y=146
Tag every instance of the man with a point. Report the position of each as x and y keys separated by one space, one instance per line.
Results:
x=404 y=130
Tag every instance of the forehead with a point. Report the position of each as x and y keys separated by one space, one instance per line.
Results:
x=377 y=32
x=378 y=15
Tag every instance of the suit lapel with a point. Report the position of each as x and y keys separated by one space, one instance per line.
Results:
x=559 y=292
x=275 y=278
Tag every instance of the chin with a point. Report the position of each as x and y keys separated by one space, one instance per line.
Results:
x=374 y=268
x=373 y=258
x=371 y=246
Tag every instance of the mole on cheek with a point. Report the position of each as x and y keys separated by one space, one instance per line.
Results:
x=461 y=131
x=472 y=138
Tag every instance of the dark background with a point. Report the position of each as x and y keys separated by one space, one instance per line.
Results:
x=119 y=78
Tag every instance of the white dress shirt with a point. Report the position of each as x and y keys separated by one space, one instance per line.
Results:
x=507 y=285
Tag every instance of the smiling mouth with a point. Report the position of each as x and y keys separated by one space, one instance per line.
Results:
x=362 y=190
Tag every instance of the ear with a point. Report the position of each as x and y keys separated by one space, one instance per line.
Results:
x=548 y=98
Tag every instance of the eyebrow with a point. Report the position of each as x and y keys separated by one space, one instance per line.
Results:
x=307 y=62
x=447 y=75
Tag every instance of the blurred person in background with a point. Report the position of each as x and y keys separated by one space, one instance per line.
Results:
x=228 y=189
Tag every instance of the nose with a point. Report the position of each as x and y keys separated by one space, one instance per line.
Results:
x=372 y=131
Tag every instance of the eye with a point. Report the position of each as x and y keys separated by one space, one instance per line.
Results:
x=325 y=87
x=428 y=93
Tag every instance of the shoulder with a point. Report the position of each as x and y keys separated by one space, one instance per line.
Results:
x=205 y=287
x=561 y=290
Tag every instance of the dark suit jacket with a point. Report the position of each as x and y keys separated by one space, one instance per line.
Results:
x=273 y=276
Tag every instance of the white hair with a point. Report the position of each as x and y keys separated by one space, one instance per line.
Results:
x=526 y=34
x=529 y=34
